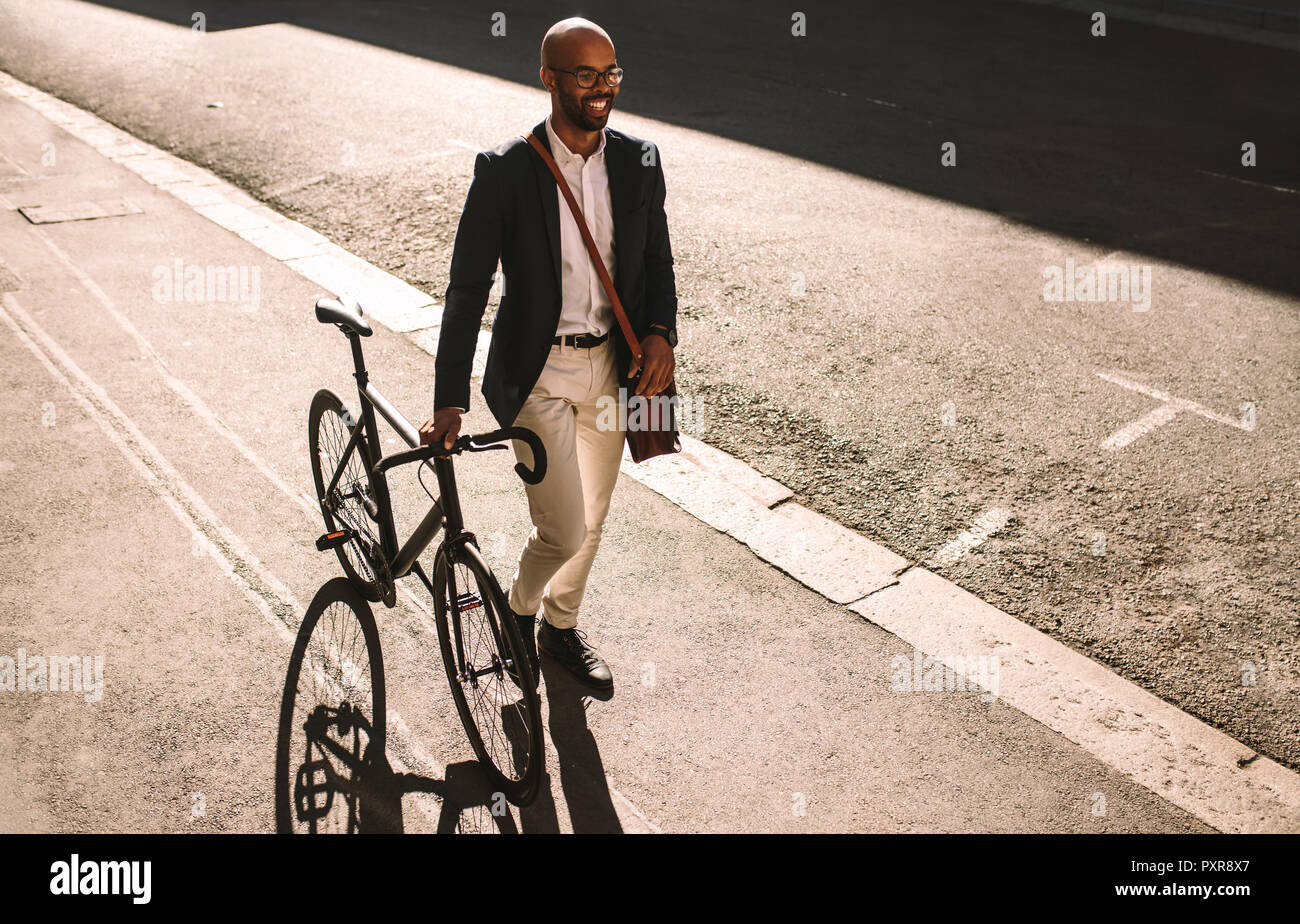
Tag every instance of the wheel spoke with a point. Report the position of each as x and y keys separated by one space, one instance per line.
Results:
x=497 y=708
x=344 y=505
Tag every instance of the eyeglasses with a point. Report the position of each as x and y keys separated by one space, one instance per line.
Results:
x=586 y=76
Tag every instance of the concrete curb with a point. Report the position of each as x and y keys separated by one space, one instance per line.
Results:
x=1194 y=766
x=1201 y=770
x=399 y=306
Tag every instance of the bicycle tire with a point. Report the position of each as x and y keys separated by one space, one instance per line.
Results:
x=325 y=666
x=328 y=432
x=477 y=697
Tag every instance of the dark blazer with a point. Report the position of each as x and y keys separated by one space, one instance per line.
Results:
x=512 y=213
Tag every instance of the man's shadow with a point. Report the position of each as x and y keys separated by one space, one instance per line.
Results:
x=580 y=768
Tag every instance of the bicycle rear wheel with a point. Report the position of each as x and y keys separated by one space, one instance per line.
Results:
x=481 y=648
x=332 y=717
x=330 y=426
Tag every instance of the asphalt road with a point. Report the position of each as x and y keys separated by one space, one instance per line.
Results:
x=155 y=519
x=920 y=380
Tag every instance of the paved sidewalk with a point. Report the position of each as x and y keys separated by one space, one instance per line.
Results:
x=168 y=530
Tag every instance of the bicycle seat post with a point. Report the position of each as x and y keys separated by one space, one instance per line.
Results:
x=358 y=361
x=387 y=533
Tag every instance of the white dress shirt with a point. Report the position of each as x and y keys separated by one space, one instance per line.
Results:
x=584 y=306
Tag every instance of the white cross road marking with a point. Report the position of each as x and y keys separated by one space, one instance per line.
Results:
x=985 y=525
x=1170 y=407
x=1162 y=414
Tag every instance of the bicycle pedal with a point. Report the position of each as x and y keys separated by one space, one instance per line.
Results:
x=468 y=600
x=334 y=540
x=313 y=791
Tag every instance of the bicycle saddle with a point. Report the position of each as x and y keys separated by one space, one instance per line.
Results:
x=345 y=312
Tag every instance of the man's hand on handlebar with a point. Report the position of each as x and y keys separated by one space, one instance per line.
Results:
x=443 y=425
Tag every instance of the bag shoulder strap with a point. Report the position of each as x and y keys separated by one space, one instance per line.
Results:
x=608 y=283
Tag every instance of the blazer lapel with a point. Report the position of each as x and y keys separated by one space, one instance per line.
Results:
x=550 y=202
x=618 y=174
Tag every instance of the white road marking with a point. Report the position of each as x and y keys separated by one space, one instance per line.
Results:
x=272 y=599
x=1170 y=408
x=1162 y=414
x=179 y=388
x=985 y=525
x=1237 y=179
x=309 y=507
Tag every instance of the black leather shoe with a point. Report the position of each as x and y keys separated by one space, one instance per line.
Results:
x=570 y=648
x=527 y=629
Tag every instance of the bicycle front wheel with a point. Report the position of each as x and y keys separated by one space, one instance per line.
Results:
x=488 y=670
x=332 y=718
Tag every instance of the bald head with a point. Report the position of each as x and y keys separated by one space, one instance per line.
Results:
x=569 y=40
x=575 y=54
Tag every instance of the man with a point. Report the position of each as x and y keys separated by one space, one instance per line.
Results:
x=556 y=348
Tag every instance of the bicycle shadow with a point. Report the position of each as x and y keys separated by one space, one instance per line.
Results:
x=360 y=768
x=468 y=804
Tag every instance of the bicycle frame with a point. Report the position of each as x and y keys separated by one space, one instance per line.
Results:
x=493 y=657
x=445 y=512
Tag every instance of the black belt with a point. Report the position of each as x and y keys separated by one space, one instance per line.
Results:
x=586 y=341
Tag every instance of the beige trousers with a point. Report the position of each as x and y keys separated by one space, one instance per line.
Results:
x=568 y=507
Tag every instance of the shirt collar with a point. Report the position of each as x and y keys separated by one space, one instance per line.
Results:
x=561 y=151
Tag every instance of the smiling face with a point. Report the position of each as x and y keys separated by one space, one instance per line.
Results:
x=570 y=50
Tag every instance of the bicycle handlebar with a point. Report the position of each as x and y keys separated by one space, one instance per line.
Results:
x=478 y=443
x=531 y=476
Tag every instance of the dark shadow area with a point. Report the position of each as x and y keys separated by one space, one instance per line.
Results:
x=332 y=772
x=469 y=805
x=1131 y=141
x=349 y=779
x=582 y=772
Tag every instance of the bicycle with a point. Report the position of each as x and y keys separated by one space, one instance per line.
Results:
x=491 y=679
